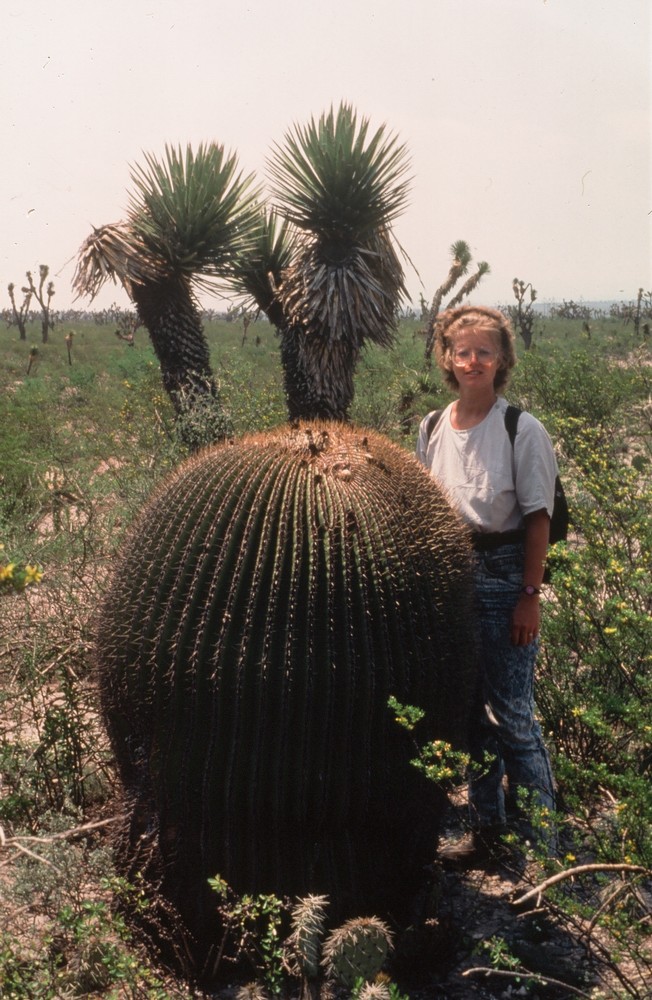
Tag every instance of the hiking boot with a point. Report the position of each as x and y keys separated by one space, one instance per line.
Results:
x=475 y=848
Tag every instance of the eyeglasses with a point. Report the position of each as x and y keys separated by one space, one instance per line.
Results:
x=463 y=355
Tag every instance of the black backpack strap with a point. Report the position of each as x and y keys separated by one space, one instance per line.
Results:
x=432 y=421
x=512 y=413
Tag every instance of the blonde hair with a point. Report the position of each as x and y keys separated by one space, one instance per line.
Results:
x=453 y=321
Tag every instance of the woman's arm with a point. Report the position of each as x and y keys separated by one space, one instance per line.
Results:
x=526 y=618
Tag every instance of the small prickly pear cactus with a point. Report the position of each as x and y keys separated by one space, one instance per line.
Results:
x=271 y=597
x=356 y=950
x=308 y=922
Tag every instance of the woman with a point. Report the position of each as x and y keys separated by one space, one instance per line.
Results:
x=505 y=494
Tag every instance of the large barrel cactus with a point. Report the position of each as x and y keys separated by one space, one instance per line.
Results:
x=272 y=596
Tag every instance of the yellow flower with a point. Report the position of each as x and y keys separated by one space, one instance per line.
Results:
x=33 y=574
x=610 y=631
x=7 y=572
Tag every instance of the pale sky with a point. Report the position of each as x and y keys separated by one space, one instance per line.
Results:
x=528 y=122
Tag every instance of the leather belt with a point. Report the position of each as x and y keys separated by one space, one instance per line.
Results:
x=484 y=541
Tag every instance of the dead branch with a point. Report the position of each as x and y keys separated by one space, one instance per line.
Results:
x=75 y=831
x=571 y=873
x=524 y=974
x=620 y=890
x=30 y=854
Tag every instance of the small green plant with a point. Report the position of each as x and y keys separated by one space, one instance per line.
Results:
x=253 y=925
x=499 y=953
x=53 y=764
x=407 y=716
x=577 y=386
x=437 y=760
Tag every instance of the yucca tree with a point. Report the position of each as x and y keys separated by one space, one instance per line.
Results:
x=461 y=258
x=335 y=280
x=470 y=283
x=190 y=215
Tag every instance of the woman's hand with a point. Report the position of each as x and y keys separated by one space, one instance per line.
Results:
x=526 y=620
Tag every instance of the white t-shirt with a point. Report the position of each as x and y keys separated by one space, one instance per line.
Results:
x=491 y=484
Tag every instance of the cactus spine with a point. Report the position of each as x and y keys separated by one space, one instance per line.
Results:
x=375 y=991
x=356 y=950
x=270 y=598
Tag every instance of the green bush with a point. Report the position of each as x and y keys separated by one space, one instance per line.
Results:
x=595 y=687
x=581 y=385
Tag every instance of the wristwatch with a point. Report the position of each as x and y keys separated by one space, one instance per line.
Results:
x=530 y=590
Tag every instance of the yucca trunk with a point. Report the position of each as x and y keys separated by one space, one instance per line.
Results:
x=331 y=306
x=168 y=311
x=273 y=595
x=317 y=375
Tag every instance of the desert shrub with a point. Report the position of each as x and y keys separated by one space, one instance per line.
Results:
x=255 y=398
x=394 y=390
x=596 y=684
x=80 y=945
x=580 y=385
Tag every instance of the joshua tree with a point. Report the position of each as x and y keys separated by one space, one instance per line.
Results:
x=43 y=294
x=127 y=322
x=642 y=310
x=522 y=314
x=20 y=314
x=188 y=217
x=461 y=255
x=325 y=270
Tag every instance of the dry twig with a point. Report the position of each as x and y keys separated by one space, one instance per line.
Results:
x=571 y=873
x=18 y=843
x=524 y=974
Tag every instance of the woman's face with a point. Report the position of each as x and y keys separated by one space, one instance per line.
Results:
x=475 y=356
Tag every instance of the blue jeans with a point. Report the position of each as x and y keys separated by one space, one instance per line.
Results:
x=504 y=724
